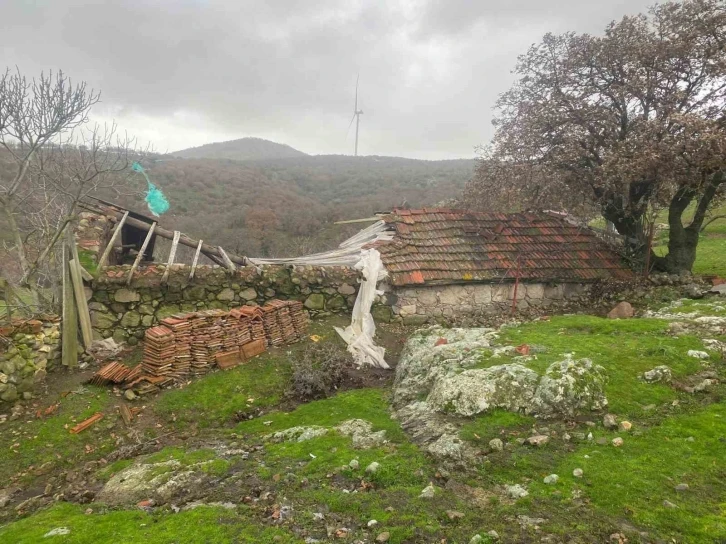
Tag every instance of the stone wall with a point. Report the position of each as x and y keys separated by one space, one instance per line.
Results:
x=28 y=350
x=417 y=305
x=125 y=312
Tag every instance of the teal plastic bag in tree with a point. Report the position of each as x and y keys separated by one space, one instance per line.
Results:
x=155 y=199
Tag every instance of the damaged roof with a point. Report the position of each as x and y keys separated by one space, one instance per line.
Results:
x=440 y=246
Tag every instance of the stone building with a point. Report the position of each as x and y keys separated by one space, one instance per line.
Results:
x=444 y=263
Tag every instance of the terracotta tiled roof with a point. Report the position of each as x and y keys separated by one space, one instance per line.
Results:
x=437 y=245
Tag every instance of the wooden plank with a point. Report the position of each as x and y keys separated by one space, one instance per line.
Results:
x=126 y=414
x=196 y=258
x=71 y=239
x=227 y=261
x=112 y=241
x=83 y=315
x=83 y=425
x=351 y=221
x=208 y=250
x=172 y=254
x=141 y=253
x=69 y=323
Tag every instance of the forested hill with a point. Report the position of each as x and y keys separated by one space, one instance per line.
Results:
x=287 y=206
x=240 y=150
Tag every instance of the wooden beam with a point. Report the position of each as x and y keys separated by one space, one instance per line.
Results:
x=109 y=247
x=69 y=323
x=364 y=220
x=141 y=253
x=208 y=250
x=83 y=315
x=172 y=254
x=227 y=262
x=194 y=262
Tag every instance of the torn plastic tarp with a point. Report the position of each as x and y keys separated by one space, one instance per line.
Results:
x=359 y=334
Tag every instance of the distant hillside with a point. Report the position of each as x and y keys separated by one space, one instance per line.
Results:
x=287 y=207
x=241 y=150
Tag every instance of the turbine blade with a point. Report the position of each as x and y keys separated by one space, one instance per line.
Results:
x=356 y=92
x=350 y=125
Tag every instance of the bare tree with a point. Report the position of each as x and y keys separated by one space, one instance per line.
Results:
x=57 y=158
x=633 y=120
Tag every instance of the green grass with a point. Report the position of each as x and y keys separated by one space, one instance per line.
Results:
x=202 y=525
x=29 y=443
x=643 y=473
x=206 y=459
x=217 y=398
x=625 y=348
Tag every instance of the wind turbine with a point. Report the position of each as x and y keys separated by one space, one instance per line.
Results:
x=356 y=116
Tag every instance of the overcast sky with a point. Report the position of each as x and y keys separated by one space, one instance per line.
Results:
x=182 y=73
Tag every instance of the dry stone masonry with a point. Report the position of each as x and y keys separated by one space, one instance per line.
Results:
x=28 y=349
x=417 y=305
x=125 y=312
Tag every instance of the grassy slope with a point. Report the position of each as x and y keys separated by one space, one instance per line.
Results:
x=623 y=489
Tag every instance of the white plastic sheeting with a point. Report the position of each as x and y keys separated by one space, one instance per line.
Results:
x=359 y=334
x=347 y=254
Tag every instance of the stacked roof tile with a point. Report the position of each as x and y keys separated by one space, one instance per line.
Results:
x=440 y=246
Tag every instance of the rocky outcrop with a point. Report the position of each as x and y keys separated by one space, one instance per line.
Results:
x=436 y=364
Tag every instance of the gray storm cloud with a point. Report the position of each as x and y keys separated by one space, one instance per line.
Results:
x=183 y=73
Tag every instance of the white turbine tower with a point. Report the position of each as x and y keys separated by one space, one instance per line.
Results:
x=356 y=116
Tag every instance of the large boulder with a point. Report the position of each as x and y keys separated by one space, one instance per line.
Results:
x=158 y=481
x=434 y=351
x=471 y=392
x=623 y=310
x=570 y=387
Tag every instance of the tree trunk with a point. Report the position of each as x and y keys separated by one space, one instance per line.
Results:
x=682 y=240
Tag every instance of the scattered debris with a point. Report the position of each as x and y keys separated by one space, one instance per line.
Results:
x=87 y=423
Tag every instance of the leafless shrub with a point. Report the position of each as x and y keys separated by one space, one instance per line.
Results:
x=318 y=371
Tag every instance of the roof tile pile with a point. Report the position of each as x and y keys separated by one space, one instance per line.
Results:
x=196 y=342
x=440 y=246
x=159 y=351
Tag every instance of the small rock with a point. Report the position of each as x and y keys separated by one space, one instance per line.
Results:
x=617 y=442
x=609 y=421
x=372 y=468
x=623 y=310
x=577 y=473
x=516 y=491
x=690 y=439
x=493 y=535
x=566 y=437
x=660 y=373
x=476 y=539
x=454 y=515
x=58 y=531
x=383 y=537
x=428 y=492
x=538 y=440
x=589 y=436
x=318 y=516
x=682 y=487
x=551 y=479
x=669 y=504
x=372 y=523
x=697 y=354
x=354 y=464
x=625 y=426
x=496 y=444
x=129 y=395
